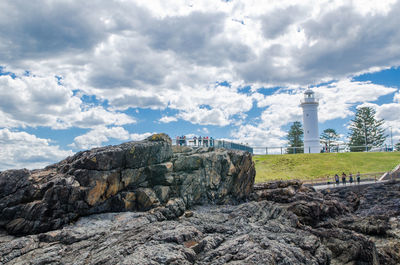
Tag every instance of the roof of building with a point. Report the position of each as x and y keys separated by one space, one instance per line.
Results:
x=308 y=91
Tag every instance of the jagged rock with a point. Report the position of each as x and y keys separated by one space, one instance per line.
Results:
x=347 y=247
x=262 y=231
x=188 y=213
x=127 y=177
x=146 y=198
x=355 y=222
x=250 y=233
x=282 y=222
x=310 y=206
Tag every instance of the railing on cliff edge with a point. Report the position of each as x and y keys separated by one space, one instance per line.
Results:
x=232 y=145
x=343 y=148
x=210 y=142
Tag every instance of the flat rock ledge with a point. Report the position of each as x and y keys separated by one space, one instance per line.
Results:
x=134 y=176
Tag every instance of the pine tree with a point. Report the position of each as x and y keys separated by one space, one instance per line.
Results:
x=295 y=137
x=397 y=146
x=366 y=130
x=328 y=136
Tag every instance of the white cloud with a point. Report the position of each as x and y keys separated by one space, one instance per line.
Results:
x=203 y=130
x=23 y=150
x=159 y=55
x=372 y=7
x=390 y=113
x=140 y=136
x=168 y=119
x=396 y=97
x=204 y=116
x=137 y=44
x=214 y=105
x=42 y=101
x=96 y=116
x=99 y=135
x=35 y=101
x=259 y=137
x=280 y=109
x=338 y=97
x=137 y=54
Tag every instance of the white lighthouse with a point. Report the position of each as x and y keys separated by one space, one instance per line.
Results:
x=310 y=122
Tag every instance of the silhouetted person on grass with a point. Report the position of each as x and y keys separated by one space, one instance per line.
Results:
x=344 y=178
x=337 y=179
x=351 y=178
x=358 y=177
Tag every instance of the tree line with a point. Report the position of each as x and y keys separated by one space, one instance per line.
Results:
x=365 y=130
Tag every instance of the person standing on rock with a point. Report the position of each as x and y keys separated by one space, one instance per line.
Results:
x=358 y=177
x=344 y=178
x=351 y=178
x=337 y=179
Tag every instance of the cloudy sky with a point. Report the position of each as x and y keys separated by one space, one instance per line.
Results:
x=80 y=74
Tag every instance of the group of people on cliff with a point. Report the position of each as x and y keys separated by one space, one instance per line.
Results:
x=344 y=178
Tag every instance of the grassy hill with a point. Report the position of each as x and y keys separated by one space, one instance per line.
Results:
x=314 y=166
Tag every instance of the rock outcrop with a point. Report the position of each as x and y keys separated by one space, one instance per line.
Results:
x=250 y=233
x=134 y=176
x=266 y=230
x=151 y=203
x=358 y=224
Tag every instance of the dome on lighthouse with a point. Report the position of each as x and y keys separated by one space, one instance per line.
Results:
x=309 y=93
x=309 y=97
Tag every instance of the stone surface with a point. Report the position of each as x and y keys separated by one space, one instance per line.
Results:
x=134 y=176
x=266 y=230
x=250 y=233
x=358 y=224
x=188 y=206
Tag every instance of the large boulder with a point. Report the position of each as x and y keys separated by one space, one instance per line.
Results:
x=134 y=176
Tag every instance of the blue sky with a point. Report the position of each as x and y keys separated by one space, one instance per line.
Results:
x=76 y=75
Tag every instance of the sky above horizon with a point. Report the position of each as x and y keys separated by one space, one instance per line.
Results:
x=81 y=74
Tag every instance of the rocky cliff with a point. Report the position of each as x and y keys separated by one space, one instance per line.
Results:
x=144 y=218
x=134 y=176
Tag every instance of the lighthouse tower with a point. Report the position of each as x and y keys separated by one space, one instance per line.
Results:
x=310 y=122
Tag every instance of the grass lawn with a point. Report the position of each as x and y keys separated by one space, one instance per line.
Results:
x=314 y=166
